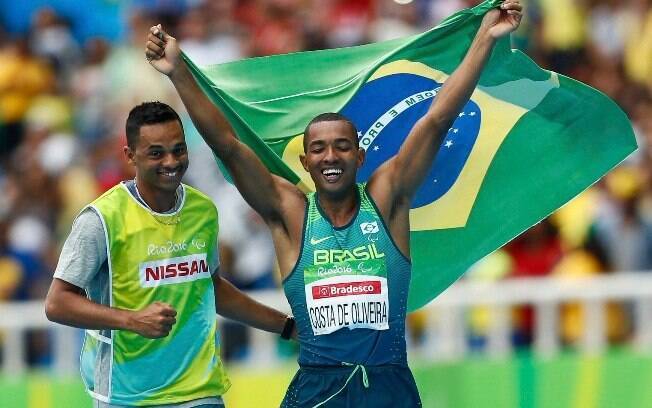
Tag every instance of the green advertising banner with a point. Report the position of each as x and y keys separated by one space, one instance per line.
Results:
x=618 y=379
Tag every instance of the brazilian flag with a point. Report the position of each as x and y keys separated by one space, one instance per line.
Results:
x=526 y=142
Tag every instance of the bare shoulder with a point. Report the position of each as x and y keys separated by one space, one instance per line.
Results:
x=293 y=206
x=287 y=232
x=290 y=194
x=394 y=207
x=381 y=190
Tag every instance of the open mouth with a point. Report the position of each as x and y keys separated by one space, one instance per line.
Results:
x=332 y=174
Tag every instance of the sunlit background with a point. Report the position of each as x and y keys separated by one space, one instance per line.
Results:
x=561 y=317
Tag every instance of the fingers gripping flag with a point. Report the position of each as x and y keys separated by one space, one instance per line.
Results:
x=526 y=142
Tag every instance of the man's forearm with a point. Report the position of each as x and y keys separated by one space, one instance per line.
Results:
x=251 y=177
x=208 y=119
x=459 y=87
x=235 y=305
x=409 y=167
x=75 y=310
x=65 y=304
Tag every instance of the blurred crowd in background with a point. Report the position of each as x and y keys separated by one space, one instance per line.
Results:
x=64 y=99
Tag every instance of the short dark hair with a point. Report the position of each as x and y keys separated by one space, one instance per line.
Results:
x=148 y=113
x=330 y=117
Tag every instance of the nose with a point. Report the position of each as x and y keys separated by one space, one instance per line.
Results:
x=330 y=155
x=170 y=161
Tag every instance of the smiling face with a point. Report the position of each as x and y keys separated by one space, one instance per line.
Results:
x=332 y=157
x=160 y=156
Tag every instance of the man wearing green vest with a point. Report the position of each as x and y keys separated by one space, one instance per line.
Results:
x=145 y=253
x=343 y=251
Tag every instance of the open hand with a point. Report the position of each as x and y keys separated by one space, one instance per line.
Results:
x=162 y=50
x=154 y=321
x=503 y=20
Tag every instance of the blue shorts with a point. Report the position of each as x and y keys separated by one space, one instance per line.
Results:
x=352 y=386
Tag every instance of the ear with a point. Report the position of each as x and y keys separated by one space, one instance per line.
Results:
x=362 y=153
x=129 y=155
x=304 y=162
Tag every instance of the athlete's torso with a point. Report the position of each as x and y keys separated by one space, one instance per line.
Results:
x=348 y=290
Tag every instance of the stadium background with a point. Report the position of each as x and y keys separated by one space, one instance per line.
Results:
x=70 y=73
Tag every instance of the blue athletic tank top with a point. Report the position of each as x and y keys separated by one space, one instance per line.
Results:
x=348 y=290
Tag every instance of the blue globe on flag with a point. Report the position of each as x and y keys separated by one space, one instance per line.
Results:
x=406 y=98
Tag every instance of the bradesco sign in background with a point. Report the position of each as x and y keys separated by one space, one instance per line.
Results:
x=349 y=294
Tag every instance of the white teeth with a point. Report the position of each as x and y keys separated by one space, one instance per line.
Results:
x=170 y=174
x=329 y=172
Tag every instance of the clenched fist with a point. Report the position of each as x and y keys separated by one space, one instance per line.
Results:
x=162 y=50
x=154 y=321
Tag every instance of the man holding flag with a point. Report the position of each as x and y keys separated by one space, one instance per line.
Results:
x=343 y=251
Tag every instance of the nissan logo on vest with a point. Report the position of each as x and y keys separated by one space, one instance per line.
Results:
x=174 y=270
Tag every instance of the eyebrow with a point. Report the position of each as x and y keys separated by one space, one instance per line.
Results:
x=338 y=140
x=158 y=146
x=316 y=142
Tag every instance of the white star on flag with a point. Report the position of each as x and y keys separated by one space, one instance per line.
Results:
x=448 y=143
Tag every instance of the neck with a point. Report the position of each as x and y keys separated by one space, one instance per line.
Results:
x=339 y=209
x=157 y=200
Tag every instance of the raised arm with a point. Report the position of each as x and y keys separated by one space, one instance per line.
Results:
x=258 y=186
x=396 y=181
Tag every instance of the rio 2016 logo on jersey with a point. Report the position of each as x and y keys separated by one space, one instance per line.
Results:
x=174 y=270
x=394 y=98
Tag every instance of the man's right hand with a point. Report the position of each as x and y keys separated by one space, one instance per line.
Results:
x=162 y=51
x=154 y=321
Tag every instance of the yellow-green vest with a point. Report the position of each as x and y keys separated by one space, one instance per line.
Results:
x=158 y=257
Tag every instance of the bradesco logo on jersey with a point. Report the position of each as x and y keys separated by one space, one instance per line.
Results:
x=349 y=294
x=346 y=289
x=174 y=270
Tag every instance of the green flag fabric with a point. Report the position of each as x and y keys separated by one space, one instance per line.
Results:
x=526 y=142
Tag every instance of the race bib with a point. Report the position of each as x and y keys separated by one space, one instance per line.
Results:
x=349 y=294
